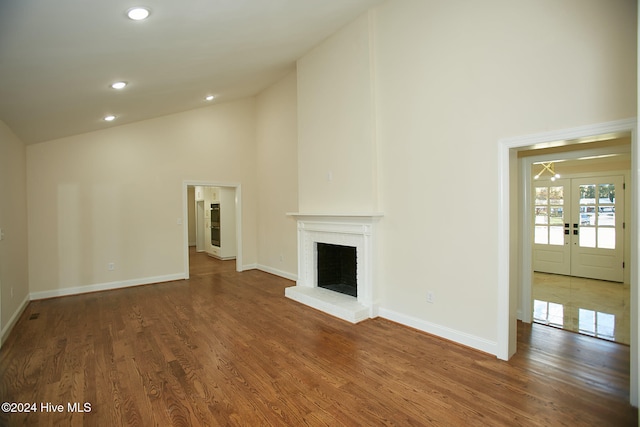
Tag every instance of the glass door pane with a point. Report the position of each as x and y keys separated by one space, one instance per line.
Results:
x=597 y=216
x=549 y=215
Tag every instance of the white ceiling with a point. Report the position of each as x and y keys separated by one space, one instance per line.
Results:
x=58 y=57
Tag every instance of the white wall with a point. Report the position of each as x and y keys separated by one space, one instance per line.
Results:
x=451 y=78
x=14 y=286
x=277 y=138
x=116 y=196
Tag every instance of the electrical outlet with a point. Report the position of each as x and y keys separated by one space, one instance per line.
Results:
x=111 y=266
x=430 y=297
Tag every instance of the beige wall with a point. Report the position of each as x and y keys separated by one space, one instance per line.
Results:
x=276 y=136
x=468 y=74
x=116 y=196
x=14 y=287
x=336 y=146
x=452 y=78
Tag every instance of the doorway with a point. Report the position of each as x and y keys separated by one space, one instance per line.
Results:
x=579 y=282
x=232 y=194
x=514 y=243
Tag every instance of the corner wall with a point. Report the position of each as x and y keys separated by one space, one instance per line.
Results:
x=14 y=286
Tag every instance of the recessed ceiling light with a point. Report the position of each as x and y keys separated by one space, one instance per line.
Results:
x=209 y=98
x=109 y=118
x=119 y=85
x=138 y=13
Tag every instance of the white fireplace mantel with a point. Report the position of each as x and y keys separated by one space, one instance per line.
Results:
x=356 y=230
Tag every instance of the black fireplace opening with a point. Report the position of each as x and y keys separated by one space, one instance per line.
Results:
x=337 y=268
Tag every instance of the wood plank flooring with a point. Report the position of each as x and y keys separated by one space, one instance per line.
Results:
x=227 y=348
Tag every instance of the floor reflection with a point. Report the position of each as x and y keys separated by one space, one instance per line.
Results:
x=592 y=307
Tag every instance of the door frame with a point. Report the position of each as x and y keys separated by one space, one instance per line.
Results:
x=199 y=217
x=185 y=223
x=514 y=267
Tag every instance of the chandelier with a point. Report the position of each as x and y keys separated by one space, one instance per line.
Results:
x=547 y=167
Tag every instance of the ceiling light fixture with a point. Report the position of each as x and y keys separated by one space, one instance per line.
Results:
x=118 y=85
x=548 y=167
x=109 y=118
x=209 y=98
x=138 y=13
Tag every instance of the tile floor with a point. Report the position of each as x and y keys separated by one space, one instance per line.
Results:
x=591 y=307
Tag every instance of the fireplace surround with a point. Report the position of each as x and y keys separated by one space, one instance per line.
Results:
x=357 y=231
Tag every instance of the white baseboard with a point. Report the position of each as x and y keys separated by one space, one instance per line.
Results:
x=105 y=286
x=12 y=321
x=246 y=267
x=277 y=272
x=221 y=258
x=463 y=338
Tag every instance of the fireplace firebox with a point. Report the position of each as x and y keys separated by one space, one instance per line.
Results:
x=337 y=268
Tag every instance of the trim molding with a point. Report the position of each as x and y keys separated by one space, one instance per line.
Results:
x=246 y=267
x=277 y=272
x=14 y=319
x=440 y=331
x=106 y=286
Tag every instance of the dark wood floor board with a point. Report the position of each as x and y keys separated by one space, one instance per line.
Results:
x=227 y=348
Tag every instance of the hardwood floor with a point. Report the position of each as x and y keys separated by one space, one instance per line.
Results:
x=227 y=348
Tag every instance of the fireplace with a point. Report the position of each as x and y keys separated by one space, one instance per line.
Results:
x=321 y=240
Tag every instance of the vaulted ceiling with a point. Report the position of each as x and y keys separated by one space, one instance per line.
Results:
x=59 y=58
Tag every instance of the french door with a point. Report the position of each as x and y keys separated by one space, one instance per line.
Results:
x=578 y=227
x=551 y=217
